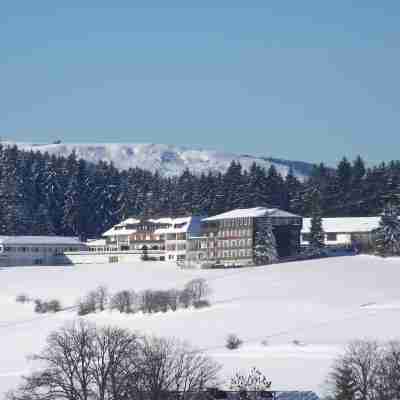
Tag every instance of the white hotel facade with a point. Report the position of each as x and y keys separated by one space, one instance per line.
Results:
x=168 y=235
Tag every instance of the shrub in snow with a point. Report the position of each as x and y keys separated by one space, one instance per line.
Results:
x=39 y=306
x=43 y=307
x=201 y=304
x=265 y=342
x=233 y=342
x=124 y=301
x=22 y=298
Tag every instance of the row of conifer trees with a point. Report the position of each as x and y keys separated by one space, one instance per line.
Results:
x=43 y=194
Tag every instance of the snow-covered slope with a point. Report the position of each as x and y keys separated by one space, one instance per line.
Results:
x=169 y=160
x=294 y=318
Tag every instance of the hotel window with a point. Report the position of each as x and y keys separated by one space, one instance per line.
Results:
x=331 y=237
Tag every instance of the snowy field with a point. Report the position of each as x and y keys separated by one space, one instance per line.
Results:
x=322 y=304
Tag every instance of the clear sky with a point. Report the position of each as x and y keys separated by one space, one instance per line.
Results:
x=310 y=80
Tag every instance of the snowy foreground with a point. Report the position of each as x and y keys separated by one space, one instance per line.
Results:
x=322 y=304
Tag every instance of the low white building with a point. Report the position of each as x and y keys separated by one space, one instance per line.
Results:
x=36 y=250
x=343 y=232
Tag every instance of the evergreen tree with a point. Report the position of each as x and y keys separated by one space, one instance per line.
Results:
x=293 y=188
x=387 y=236
x=265 y=251
x=316 y=230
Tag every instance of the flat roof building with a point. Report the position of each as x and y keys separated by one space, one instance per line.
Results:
x=36 y=250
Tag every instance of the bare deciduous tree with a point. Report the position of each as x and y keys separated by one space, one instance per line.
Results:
x=124 y=301
x=82 y=362
x=249 y=386
x=367 y=371
x=167 y=365
x=198 y=289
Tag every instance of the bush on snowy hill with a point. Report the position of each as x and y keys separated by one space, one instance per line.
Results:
x=233 y=342
x=23 y=298
x=43 y=307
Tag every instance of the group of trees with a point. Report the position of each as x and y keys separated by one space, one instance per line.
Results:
x=367 y=371
x=82 y=362
x=194 y=293
x=43 y=194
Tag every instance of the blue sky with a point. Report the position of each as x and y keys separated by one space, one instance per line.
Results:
x=308 y=80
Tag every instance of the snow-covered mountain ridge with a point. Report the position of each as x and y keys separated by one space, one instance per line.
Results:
x=168 y=160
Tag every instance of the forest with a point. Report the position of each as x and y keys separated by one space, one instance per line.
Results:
x=48 y=195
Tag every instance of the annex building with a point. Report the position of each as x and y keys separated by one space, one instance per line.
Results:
x=227 y=239
x=36 y=250
x=345 y=232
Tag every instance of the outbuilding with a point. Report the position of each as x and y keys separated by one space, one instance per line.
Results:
x=36 y=250
x=343 y=232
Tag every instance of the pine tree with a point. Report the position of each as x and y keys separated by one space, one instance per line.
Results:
x=387 y=236
x=316 y=230
x=293 y=187
x=265 y=250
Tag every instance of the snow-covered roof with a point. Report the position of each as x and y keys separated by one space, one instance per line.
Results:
x=129 y=221
x=254 y=212
x=119 y=232
x=344 y=224
x=39 y=240
x=120 y=229
x=96 y=242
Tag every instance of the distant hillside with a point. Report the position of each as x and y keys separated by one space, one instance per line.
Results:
x=168 y=160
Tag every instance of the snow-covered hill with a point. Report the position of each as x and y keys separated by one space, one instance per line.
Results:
x=169 y=160
x=294 y=318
